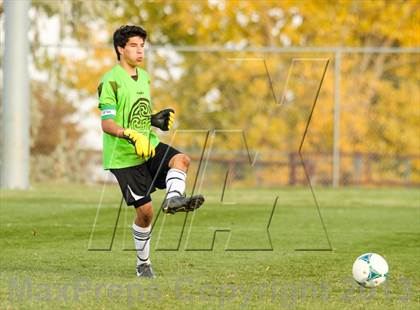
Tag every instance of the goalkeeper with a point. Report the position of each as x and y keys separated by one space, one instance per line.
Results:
x=131 y=150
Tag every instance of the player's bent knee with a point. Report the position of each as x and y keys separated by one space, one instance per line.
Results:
x=185 y=160
x=180 y=161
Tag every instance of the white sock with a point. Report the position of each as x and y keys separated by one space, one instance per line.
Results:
x=142 y=237
x=175 y=183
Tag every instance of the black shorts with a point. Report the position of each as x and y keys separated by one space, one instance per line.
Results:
x=138 y=182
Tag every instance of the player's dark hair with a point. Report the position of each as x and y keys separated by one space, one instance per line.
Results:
x=122 y=34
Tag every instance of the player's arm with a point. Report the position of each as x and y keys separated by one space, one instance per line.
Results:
x=111 y=127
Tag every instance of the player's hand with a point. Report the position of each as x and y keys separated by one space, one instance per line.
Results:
x=141 y=143
x=163 y=119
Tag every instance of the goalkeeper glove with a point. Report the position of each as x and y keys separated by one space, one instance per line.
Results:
x=141 y=143
x=163 y=119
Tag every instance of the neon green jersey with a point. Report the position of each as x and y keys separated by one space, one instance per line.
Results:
x=127 y=102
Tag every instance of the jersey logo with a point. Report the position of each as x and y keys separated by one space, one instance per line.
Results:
x=139 y=116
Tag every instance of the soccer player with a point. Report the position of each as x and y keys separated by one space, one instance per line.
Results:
x=131 y=149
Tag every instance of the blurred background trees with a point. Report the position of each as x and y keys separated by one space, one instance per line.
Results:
x=231 y=90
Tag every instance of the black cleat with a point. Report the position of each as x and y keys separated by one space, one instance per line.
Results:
x=182 y=204
x=145 y=271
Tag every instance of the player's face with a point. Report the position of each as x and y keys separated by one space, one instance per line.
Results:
x=133 y=51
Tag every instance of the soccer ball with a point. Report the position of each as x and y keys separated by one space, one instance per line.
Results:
x=370 y=270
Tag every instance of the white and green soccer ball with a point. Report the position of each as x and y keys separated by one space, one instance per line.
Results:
x=370 y=270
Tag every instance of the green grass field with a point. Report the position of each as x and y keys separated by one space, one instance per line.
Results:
x=45 y=262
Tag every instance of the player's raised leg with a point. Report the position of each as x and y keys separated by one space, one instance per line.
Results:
x=176 y=201
x=142 y=235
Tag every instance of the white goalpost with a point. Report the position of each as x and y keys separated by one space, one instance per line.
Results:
x=16 y=108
